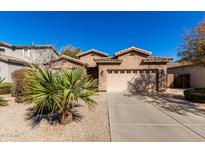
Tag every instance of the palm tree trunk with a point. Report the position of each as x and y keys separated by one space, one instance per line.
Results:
x=66 y=117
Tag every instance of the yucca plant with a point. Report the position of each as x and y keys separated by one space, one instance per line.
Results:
x=52 y=93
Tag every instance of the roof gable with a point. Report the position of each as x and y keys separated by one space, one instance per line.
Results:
x=131 y=49
x=91 y=51
x=68 y=59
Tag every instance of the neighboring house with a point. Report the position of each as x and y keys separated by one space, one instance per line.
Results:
x=131 y=69
x=185 y=75
x=16 y=57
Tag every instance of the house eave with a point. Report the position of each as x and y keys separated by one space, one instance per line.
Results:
x=92 y=50
x=66 y=58
x=14 y=47
x=124 y=51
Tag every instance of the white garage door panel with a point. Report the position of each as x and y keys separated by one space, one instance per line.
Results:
x=118 y=82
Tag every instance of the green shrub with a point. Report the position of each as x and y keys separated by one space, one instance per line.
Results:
x=195 y=95
x=3 y=102
x=18 y=90
x=6 y=88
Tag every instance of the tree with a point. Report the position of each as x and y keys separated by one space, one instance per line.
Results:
x=58 y=93
x=193 y=49
x=70 y=51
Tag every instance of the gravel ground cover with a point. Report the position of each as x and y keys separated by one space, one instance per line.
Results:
x=94 y=125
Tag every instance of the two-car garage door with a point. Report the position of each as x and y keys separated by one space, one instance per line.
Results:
x=131 y=80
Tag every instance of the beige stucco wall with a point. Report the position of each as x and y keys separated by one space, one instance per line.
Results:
x=88 y=58
x=37 y=56
x=8 y=51
x=197 y=75
x=170 y=80
x=130 y=62
x=131 y=59
x=4 y=72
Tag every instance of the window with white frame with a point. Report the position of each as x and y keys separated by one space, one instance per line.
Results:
x=25 y=53
x=2 y=51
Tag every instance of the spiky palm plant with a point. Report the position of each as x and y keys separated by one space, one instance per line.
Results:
x=42 y=90
x=75 y=85
x=57 y=92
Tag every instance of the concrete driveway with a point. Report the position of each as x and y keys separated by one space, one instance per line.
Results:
x=154 y=118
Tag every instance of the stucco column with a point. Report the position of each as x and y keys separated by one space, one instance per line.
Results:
x=162 y=78
x=102 y=78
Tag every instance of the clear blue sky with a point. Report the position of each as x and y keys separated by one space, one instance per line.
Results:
x=159 y=32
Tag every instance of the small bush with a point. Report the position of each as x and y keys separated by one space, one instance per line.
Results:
x=195 y=95
x=6 y=88
x=18 y=91
x=3 y=102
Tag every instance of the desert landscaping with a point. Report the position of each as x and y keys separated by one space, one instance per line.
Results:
x=93 y=126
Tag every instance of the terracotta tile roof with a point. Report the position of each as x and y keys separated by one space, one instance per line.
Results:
x=107 y=60
x=66 y=58
x=156 y=59
x=92 y=50
x=133 y=49
x=13 y=60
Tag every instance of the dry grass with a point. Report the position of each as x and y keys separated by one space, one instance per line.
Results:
x=94 y=125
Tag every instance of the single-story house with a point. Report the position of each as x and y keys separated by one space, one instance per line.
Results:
x=132 y=69
x=185 y=75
